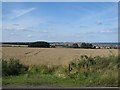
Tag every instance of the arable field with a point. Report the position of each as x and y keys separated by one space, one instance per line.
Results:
x=51 y=56
x=59 y=67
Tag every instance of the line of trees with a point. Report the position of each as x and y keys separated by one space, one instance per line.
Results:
x=83 y=45
x=39 y=44
x=44 y=44
x=47 y=45
x=86 y=45
x=75 y=45
x=17 y=43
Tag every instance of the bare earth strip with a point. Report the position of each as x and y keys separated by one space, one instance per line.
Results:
x=52 y=56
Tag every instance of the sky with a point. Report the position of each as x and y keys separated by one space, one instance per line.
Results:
x=60 y=21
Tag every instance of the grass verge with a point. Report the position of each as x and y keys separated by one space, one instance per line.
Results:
x=86 y=71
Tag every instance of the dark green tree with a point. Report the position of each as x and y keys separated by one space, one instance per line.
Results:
x=83 y=45
x=75 y=45
x=86 y=45
x=39 y=44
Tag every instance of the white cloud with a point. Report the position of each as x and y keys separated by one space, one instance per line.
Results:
x=15 y=27
x=12 y=33
x=29 y=35
x=45 y=31
x=18 y=13
x=106 y=31
x=16 y=24
x=12 y=27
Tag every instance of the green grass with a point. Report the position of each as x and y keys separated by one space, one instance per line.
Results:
x=37 y=79
x=86 y=71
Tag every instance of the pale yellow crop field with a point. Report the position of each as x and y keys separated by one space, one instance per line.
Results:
x=51 y=56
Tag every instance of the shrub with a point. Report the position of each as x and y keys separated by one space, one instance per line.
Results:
x=12 y=67
x=92 y=64
x=61 y=71
x=41 y=69
x=86 y=71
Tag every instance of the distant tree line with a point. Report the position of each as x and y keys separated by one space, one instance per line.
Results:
x=39 y=44
x=83 y=45
x=17 y=43
x=75 y=45
x=86 y=45
x=47 y=45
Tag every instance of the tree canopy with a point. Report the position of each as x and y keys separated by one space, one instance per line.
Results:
x=86 y=45
x=39 y=44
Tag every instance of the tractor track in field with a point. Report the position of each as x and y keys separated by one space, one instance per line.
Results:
x=31 y=53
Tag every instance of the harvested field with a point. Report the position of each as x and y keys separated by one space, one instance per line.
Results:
x=51 y=56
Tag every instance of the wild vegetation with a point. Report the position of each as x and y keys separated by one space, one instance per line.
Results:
x=12 y=67
x=85 y=71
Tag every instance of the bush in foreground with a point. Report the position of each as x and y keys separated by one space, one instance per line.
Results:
x=12 y=67
x=85 y=71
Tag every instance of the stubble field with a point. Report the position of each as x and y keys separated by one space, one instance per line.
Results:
x=51 y=56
